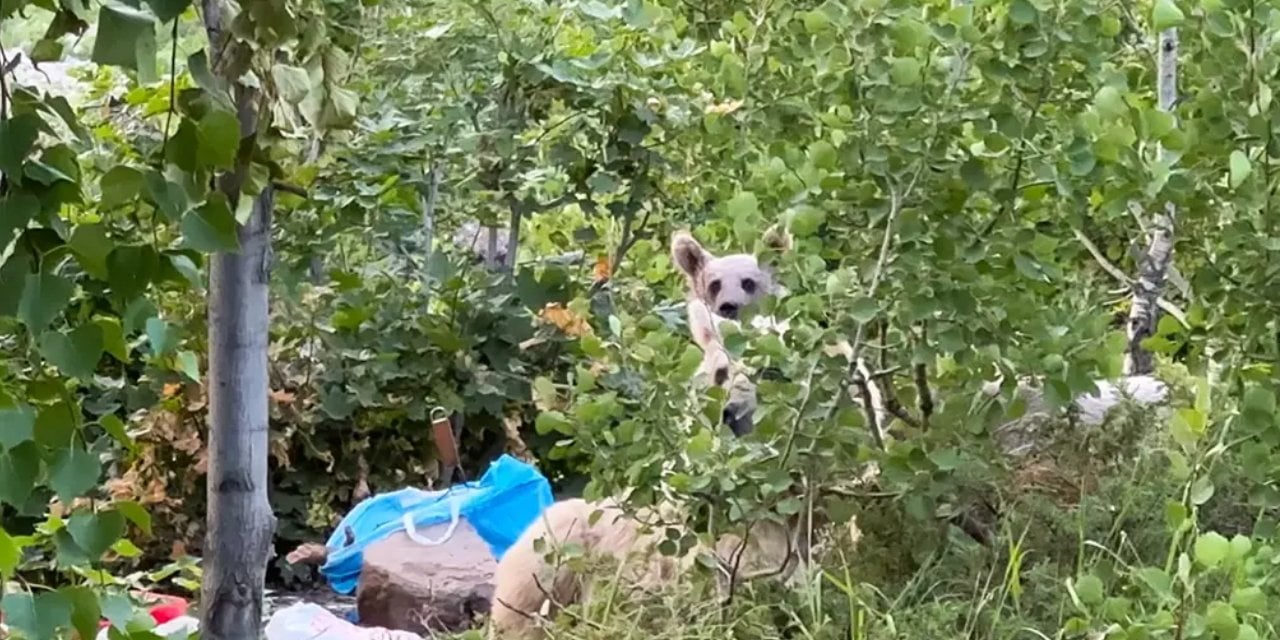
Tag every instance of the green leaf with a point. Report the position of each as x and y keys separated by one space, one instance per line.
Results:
x=96 y=532
x=1211 y=549
x=863 y=309
x=36 y=618
x=92 y=246
x=1222 y=620
x=292 y=83
x=1110 y=102
x=131 y=268
x=1166 y=15
x=215 y=87
x=187 y=268
x=62 y=107
x=10 y=555
x=44 y=296
x=85 y=610
x=183 y=150
x=119 y=186
x=115 y=428
x=16 y=210
x=974 y=174
x=1090 y=590
x=135 y=513
x=16 y=425
x=219 y=139
x=113 y=341
x=117 y=609
x=56 y=423
x=17 y=137
x=699 y=444
x=211 y=228
x=549 y=421
x=1241 y=168
x=744 y=206
x=161 y=336
x=340 y=110
x=13 y=277
x=1201 y=491
x=19 y=467
x=1158 y=580
x=167 y=10
x=1257 y=408
x=806 y=220
x=126 y=39
x=823 y=155
x=1249 y=600
x=905 y=71
x=46 y=50
x=189 y=365
x=544 y=392
x=1023 y=12
x=73 y=473
x=75 y=354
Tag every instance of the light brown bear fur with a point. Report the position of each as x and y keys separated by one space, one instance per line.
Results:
x=528 y=589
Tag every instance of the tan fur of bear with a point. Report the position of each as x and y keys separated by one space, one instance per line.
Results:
x=527 y=587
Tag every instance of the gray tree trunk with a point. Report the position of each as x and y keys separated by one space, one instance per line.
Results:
x=240 y=523
x=1153 y=267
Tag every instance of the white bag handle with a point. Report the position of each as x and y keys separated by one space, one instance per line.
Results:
x=455 y=513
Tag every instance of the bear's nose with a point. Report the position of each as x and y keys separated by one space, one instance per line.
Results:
x=729 y=310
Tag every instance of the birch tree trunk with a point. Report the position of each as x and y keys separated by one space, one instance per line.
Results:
x=428 y=198
x=1153 y=267
x=240 y=523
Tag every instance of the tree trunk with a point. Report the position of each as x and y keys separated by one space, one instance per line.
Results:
x=428 y=197
x=240 y=523
x=1153 y=267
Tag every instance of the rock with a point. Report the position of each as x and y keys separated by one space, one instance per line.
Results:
x=426 y=589
x=1023 y=435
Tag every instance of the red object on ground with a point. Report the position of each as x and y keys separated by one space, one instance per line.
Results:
x=163 y=608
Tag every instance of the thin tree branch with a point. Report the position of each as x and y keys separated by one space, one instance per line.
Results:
x=1115 y=272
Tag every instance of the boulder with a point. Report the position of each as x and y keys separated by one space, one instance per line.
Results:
x=426 y=589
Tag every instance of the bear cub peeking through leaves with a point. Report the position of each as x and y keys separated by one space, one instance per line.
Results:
x=528 y=589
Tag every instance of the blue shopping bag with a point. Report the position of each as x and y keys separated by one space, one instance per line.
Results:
x=500 y=505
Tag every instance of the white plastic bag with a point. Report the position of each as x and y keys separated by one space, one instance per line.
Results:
x=306 y=621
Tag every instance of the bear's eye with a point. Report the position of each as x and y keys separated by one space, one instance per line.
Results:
x=749 y=285
x=722 y=375
x=714 y=287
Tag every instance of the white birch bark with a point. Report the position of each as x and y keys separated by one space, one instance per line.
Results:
x=1153 y=268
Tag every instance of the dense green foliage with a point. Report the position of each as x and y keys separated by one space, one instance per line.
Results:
x=954 y=179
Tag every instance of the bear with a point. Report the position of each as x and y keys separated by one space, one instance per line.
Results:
x=527 y=587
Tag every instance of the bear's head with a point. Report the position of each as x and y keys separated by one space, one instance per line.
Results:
x=726 y=284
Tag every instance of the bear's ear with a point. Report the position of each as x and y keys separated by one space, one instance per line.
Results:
x=688 y=254
x=778 y=239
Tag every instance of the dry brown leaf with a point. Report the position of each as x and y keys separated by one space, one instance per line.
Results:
x=515 y=444
x=283 y=397
x=565 y=319
x=724 y=108
x=171 y=389
x=604 y=268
